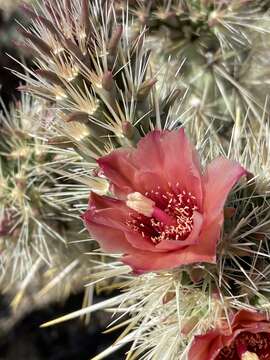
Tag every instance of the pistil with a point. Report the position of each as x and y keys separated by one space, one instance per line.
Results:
x=244 y=354
x=147 y=207
x=249 y=356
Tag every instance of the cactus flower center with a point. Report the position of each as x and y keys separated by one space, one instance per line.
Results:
x=162 y=215
x=247 y=346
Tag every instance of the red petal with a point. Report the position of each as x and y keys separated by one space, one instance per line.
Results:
x=245 y=317
x=221 y=175
x=206 y=347
x=106 y=222
x=139 y=242
x=118 y=167
x=109 y=239
x=203 y=251
x=98 y=202
x=162 y=156
x=133 y=170
x=181 y=163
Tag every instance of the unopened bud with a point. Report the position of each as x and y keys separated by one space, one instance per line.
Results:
x=5 y=224
x=49 y=76
x=85 y=18
x=196 y=275
x=168 y=297
x=40 y=44
x=79 y=116
x=259 y=236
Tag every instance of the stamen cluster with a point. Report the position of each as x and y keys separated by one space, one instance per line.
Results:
x=257 y=344
x=179 y=205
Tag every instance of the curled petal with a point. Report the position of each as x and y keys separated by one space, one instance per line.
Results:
x=118 y=167
x=245 y=317
x=98 y=202
x=106 y=222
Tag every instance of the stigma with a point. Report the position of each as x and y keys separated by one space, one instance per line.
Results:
x=140 y=203
x=147 y=207
x=249 y=356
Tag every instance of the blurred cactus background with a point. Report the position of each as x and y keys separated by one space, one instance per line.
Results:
x=81 y=78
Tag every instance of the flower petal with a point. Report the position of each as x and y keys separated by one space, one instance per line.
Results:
x=203 y=251
x=120 y=170
x=99 y=202
x=125 y=167
x=139 y=242
x=166 y=156
x=245 y=317
x=109 y=239
x=206 y=347
x=181 y=163
x=106 y=211
x=221 y=175
x=106 y=222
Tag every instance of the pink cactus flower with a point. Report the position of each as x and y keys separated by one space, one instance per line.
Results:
x=248 y=339
x=165 y=211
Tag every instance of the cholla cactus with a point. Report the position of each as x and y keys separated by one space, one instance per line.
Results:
x=35 y=227
x=95 y=76
x=217 y=52
x=171 y=304
x=191 y=225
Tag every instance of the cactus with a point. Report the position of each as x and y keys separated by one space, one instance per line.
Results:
x=191 y=223
x=217 y=52
x=36 y=224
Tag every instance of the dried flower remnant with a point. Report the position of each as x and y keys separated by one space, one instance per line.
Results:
x=248 y=338
x=167 y=212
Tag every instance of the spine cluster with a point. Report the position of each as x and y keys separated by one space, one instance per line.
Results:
x=118 y=92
